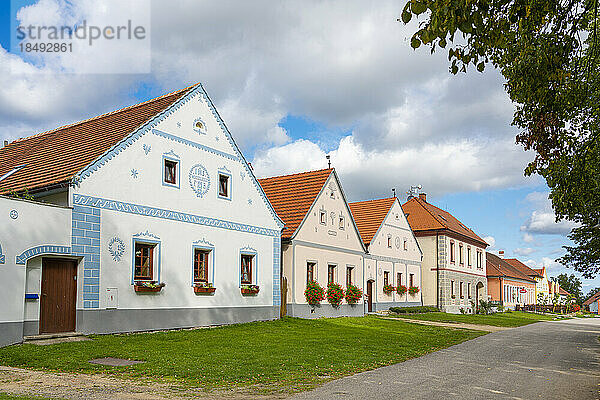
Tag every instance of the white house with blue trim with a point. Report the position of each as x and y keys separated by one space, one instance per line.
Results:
x=152 y=220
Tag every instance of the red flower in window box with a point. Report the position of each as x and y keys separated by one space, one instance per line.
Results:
x=413 y=290
x=401 y=289
x=204 y=288
x=147 y=286
x=249 y=289
x=388 y=289
x=335 y=294
x=353 y=294
x=314 y=293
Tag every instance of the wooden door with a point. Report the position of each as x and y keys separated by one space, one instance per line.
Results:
x=59 y=296
x=284 y=289
x=370 y=296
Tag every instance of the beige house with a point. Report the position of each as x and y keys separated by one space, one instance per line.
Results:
x=453 y=271
x=320 y=241
x=393 y=259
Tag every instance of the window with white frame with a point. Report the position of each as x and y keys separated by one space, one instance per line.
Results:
x=224 y=186
x=342 y=222
x=323 y=217
x=170 y=172
x=389 y=241
x=247 y=266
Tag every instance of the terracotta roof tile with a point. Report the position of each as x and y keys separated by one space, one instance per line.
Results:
x=423 y=216
x=369 y=216
x=592 y=299
x=56 y=156
x=523 y=268
x=496 y=266
x=292 y=196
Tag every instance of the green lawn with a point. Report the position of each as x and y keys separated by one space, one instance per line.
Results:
x=511 y=319
x=285 y=355
x=4 y=396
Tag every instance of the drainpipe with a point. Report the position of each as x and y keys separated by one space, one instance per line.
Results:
x=437 y=272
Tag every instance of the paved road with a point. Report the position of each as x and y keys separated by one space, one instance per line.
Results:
x=546 y=360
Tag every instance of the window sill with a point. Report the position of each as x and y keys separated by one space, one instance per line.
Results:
x=204 y=290
x=146 y=289
x=250 y=291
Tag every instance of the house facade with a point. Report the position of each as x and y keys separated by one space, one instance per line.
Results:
x=542 y=289
x=453 y=273
x=320 y=241
x=154 y=220
x=593 y=303
x=393 y=261
x=507 y=285
x=534 y=274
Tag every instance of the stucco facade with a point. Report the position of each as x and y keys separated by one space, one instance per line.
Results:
x=122 y=201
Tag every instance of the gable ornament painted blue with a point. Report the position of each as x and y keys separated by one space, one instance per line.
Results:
x=199 y=180
x=14 y=214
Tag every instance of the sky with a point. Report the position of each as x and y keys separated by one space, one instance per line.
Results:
x=295 y=81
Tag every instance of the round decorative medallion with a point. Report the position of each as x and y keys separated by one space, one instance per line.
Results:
x=14 y=214
x=397 y=242
x=199 y=126
x=199 y=180
x=116 y=248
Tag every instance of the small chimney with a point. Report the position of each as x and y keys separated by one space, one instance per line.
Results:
x=501 y=253
x=423 y=196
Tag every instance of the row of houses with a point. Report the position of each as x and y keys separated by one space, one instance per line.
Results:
x=150 y=217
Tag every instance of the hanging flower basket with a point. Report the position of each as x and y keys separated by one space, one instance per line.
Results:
x=147 y=286
x=401 y=289
x=314 y=293
x=413 y=290
x=249 y=290
x=353 y=294
x=335 y=294
x=204 y=288
x=388 y=289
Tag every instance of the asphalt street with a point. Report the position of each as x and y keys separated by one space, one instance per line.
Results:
x=545 y=360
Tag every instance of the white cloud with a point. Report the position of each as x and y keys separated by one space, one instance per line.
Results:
x=491 y=241
x=528 y=237
x=524 y=251
x=552 y=266
x=542 y=220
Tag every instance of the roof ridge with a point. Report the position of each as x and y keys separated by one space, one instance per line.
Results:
x=418 y=200
x=296 y=174
x=371 y=200
x=37 y=135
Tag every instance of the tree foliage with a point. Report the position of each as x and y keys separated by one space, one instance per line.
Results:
x=548 y=53
x=571 y=284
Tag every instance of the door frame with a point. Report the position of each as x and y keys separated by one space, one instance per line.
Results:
x=370 y=295
x=75 y=264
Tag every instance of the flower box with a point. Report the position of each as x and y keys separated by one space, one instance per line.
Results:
x=147 y=286
x=204 y=289
x=249 y=290
x=388 y=289
x=401 y=289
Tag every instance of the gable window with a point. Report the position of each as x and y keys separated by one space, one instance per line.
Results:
x=323 y=217
x=411 y=280
x=460 y=254
x=469 y=261
x=386 y=278
x=310 y=271
x=405 y=244
x=389 y=242
x=224 y=186
x=399 y=278
x=452 y=260
x=144 y=262
x=342 y=223
x=330 y=273
x=479 y=259
x=170 y=171
x=246 y=268
x=349 y=272
x=201 y=265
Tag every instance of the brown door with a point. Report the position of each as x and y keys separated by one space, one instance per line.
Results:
x=59 y=296
x=283 y=310
x=370 y=296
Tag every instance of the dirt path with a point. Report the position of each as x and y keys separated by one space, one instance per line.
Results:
x=457 y=325
x=91 y=387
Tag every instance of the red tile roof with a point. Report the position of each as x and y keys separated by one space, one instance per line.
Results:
x=424 y=217
x=293 y=195
x=539 y=271
x=55 y=156
x=562 y=291
x=496 y=266
x=592 y=299
x=523 y=268
x=369 y=216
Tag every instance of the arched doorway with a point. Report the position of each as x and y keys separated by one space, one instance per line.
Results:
x=478 y=288
x=370 y=296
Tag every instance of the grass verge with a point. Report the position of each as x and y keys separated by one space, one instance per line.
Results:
x=511 y=319
x=286 y=355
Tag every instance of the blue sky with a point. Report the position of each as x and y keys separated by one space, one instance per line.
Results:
x=300 y=80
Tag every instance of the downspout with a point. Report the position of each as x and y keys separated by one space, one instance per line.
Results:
x=437 y=271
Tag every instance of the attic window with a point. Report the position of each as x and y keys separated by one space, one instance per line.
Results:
x=342 y=223
x=200 y=125
x=12 y=171
x=170 y=172
x=323 y=217
x=224 y=186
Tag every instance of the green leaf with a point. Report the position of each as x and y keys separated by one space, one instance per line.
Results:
x=406 y=17
x=480 y=66
x=415 y=43
x=418 y=7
